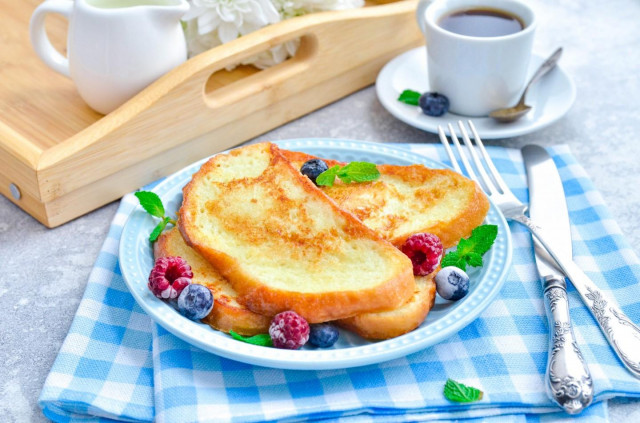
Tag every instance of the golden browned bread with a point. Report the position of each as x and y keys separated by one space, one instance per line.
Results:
x=396 y=322
x=284 y=245
x=409 y=199
x=227 y=314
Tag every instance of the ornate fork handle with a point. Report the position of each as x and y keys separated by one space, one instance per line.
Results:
x=568 y=379
x=623 y=335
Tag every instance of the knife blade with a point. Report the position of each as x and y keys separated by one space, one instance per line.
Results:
x=568 y=379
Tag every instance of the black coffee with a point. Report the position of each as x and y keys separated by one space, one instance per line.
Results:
x=481 y=22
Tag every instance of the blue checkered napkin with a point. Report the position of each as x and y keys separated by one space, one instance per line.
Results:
x=192 y=385
x=117 y=364
x=104 y=369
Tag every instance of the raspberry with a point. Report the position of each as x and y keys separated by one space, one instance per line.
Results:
x=425 y=252
x=169 y=277
x=289 y=330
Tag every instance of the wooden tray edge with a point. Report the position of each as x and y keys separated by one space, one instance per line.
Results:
x=69 y=180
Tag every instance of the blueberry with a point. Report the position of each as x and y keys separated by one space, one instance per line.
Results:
x=195 y=301
x=323 y=335
x=312 y=168
x=452 y=283
x=434 y=104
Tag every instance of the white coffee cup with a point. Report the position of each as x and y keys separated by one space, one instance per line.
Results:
x=115 y=47
x=477 y=74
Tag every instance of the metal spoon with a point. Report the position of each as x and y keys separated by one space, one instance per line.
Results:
x=510 y=114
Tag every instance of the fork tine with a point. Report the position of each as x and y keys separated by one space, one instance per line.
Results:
x=447 y=148
x=463 y=156
x=485 y=180
x=494 y=172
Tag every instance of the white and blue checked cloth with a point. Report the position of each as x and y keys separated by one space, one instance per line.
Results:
x=116 y=364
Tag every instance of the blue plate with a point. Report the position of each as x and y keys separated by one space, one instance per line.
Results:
x=445 y=319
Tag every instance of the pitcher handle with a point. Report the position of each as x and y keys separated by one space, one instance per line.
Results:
x=39 y=39
x=422 y=6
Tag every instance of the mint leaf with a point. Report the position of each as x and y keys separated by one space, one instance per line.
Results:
x=470 y=250
x=158 y=229
x=352 y=172
x=465 y=246
x=151 y=203
x=327 y=177
x=458 y=392
x=484 y=237
x=474 y=259
x=359 y=172
x=452 y=258
x=409 y=97
x=262 y=339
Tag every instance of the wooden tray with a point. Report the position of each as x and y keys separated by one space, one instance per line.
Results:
x=59 y=159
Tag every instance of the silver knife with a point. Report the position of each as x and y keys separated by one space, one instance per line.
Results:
x=568 y=380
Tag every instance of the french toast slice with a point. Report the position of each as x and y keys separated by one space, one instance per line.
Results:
x=227 y=314
x=409 y=199
x=401 y=320
x=284 y=245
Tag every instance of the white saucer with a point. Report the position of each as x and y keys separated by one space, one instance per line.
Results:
x=551 y=98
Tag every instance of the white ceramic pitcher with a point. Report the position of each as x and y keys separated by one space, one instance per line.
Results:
x=115 y=48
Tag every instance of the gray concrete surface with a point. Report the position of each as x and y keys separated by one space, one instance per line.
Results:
x=43 y=271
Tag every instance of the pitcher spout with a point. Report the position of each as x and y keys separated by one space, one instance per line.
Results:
x=171 y=10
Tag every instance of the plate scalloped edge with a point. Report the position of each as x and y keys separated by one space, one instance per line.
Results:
x=136 y=259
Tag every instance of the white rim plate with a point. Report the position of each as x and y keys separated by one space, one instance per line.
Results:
x=444 y=320
x=551 y=98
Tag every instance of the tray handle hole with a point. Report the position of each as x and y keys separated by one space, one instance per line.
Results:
x=228 y=86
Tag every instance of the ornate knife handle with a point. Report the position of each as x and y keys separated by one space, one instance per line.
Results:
x=623 y=335
x=568 y=379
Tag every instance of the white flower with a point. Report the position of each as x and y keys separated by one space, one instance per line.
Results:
x=213 y=22
x=210 y=23
x=275 y=55
x=231 y=17
x=292 y=8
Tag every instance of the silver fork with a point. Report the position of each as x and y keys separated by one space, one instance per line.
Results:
x=623 y=335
